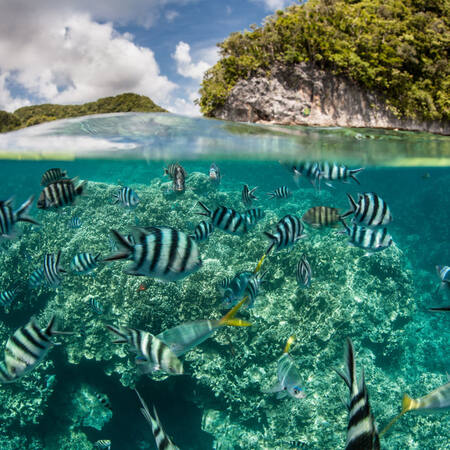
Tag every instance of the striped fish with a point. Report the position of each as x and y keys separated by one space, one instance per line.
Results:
x=188 y=335
x=8 y=217
x=83 y=263
x=159 y=252
x=227 y=219
x=202 y=231
x=214 y=174
x=52 y=269
x=163 y=441
x=362 y=430
x=179 y=179
x=370 y=210
x=308 y=169
x=103 y=444
x=338 y=172
x=37 y=277
x=444 y=274
x=60 y=193
x=96 y=306
x=52 y=175
x=152 y=354
x=370 y=239
x=244 y=284
x=303 y=274
x=254 y=215
x=103 y=400
x=321 y=216
x=248 y=195
x=289 y=377
x=223 y=284
x=74 y=222
x=7 y=297
x=281 y=192
x=171 y=169
x=26 y=348
x=289 y=231
x=126 y=197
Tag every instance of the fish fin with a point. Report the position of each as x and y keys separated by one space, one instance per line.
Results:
x=347 y=228
x=207 y=211
x=408 y=404
x=81 y=187
x=21 y=216
x=237 y=323
x=353 y=172
x=97 y=256
x=145 y=411
x=258 y=266
x=281 y=394
x=273 y=239
x=51 y=327
x=353 y=207
x=117 y=331
x=125 y=248
x=289 y=343
x=348 y=373
x=277 y=387
x=252 y=193
x=228 y=318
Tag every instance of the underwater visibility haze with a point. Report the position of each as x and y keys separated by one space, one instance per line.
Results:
x=261 y=287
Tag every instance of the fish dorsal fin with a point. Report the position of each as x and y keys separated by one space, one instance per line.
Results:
x=258 y=266
x=228 y=318
x=289 y=343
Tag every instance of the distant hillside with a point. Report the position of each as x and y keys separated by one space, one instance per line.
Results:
x=32 y=115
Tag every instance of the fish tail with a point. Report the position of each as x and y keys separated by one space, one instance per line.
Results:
x=21 y=214
x=353 y=172
x=258 y=266
x=228 y=318
x=125 y=248
x=271 y=195
x=207 y=212
x=348 y=375
x=353 y=207
x=58 y=263
x=289 y=343
x=273 y=239
x=252 y=193
x=81 y=187
x=123 y=337
x=347 y=228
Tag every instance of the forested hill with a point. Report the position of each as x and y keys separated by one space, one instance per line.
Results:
x=397 y=49
x=32 y=115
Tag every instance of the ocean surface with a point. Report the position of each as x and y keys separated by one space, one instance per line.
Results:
x=379 y=298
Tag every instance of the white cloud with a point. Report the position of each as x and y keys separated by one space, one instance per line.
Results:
x=171 y=15
x=185 y=65
x=273 y=5
x=73 y=59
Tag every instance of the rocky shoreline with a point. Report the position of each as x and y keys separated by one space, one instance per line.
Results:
x=304 y=95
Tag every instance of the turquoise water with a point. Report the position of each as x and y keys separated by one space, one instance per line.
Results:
x=381 y=301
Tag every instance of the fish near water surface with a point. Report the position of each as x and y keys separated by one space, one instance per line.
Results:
x=338 y=172
x=152 y=354
x=289 y=377
x=370 y=210
x=60 y=193
x=186 y=336
x=362 y=432
x=248 y=195
x=214 y=174
x=281 y=192
x=52 y=175
x=177 y=174
x=159 y=252
x=9 y=217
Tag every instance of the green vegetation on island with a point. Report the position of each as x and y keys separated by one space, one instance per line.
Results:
x=33 y=115
x=396 y=48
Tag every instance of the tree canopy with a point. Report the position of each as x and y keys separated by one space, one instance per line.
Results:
x=396 y=48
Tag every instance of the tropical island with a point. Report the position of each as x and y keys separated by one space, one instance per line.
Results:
x=33 y=115
x=374 y=63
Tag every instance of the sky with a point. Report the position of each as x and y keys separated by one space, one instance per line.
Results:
x=75 y=51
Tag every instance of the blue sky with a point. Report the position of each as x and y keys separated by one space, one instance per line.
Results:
x=65 y=51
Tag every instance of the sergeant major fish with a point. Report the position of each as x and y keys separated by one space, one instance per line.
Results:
x=243 y=284
x=60 y=193
x=8 y=217
x=202 y=231
x=37 y=277
x=444 y=275
x=52 y=269
x=362 y=430
x=372 y=240
x=126 y=197
x=303 y=274
x=289 y=230
x=163 y=441
x=289 y=377
x=227 y=219
x=103 y=444
x=7 y=297
x=254 y=215
x=83 y=263
x=26 y=348
x=248 y=195
x=152 y=354
x=188 y=335
x=52 y=175
x=321 y=216
x=338 y=172
x=159 y=252
x=370 y=210
x=281 y=192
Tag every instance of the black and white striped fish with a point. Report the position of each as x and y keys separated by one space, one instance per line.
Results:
x=362 y=430
x=159 y=252
x=8 y=217
x=152 y=354
x=74 y=222
x=7 y=297
x=60 y=193
x=37 y=277
x=248 y=195
x=370 y=209
x=52 y=269
x=308 y=169
x=338 y=172
x=163 y=441
x=83 y=263
x=223 y=284
x=303 y=274
x=370 y=239
x=202 y=231
x=52 y=175
x=103 y=400
x=444 y=273
x=171 y=169
x=126 y=197
x=26 y=348
x=243 y=284
x=289 y=230
x=281 y=192
x=96 y=306
x=227 y=219
x=103 y=444
x=254 y=215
